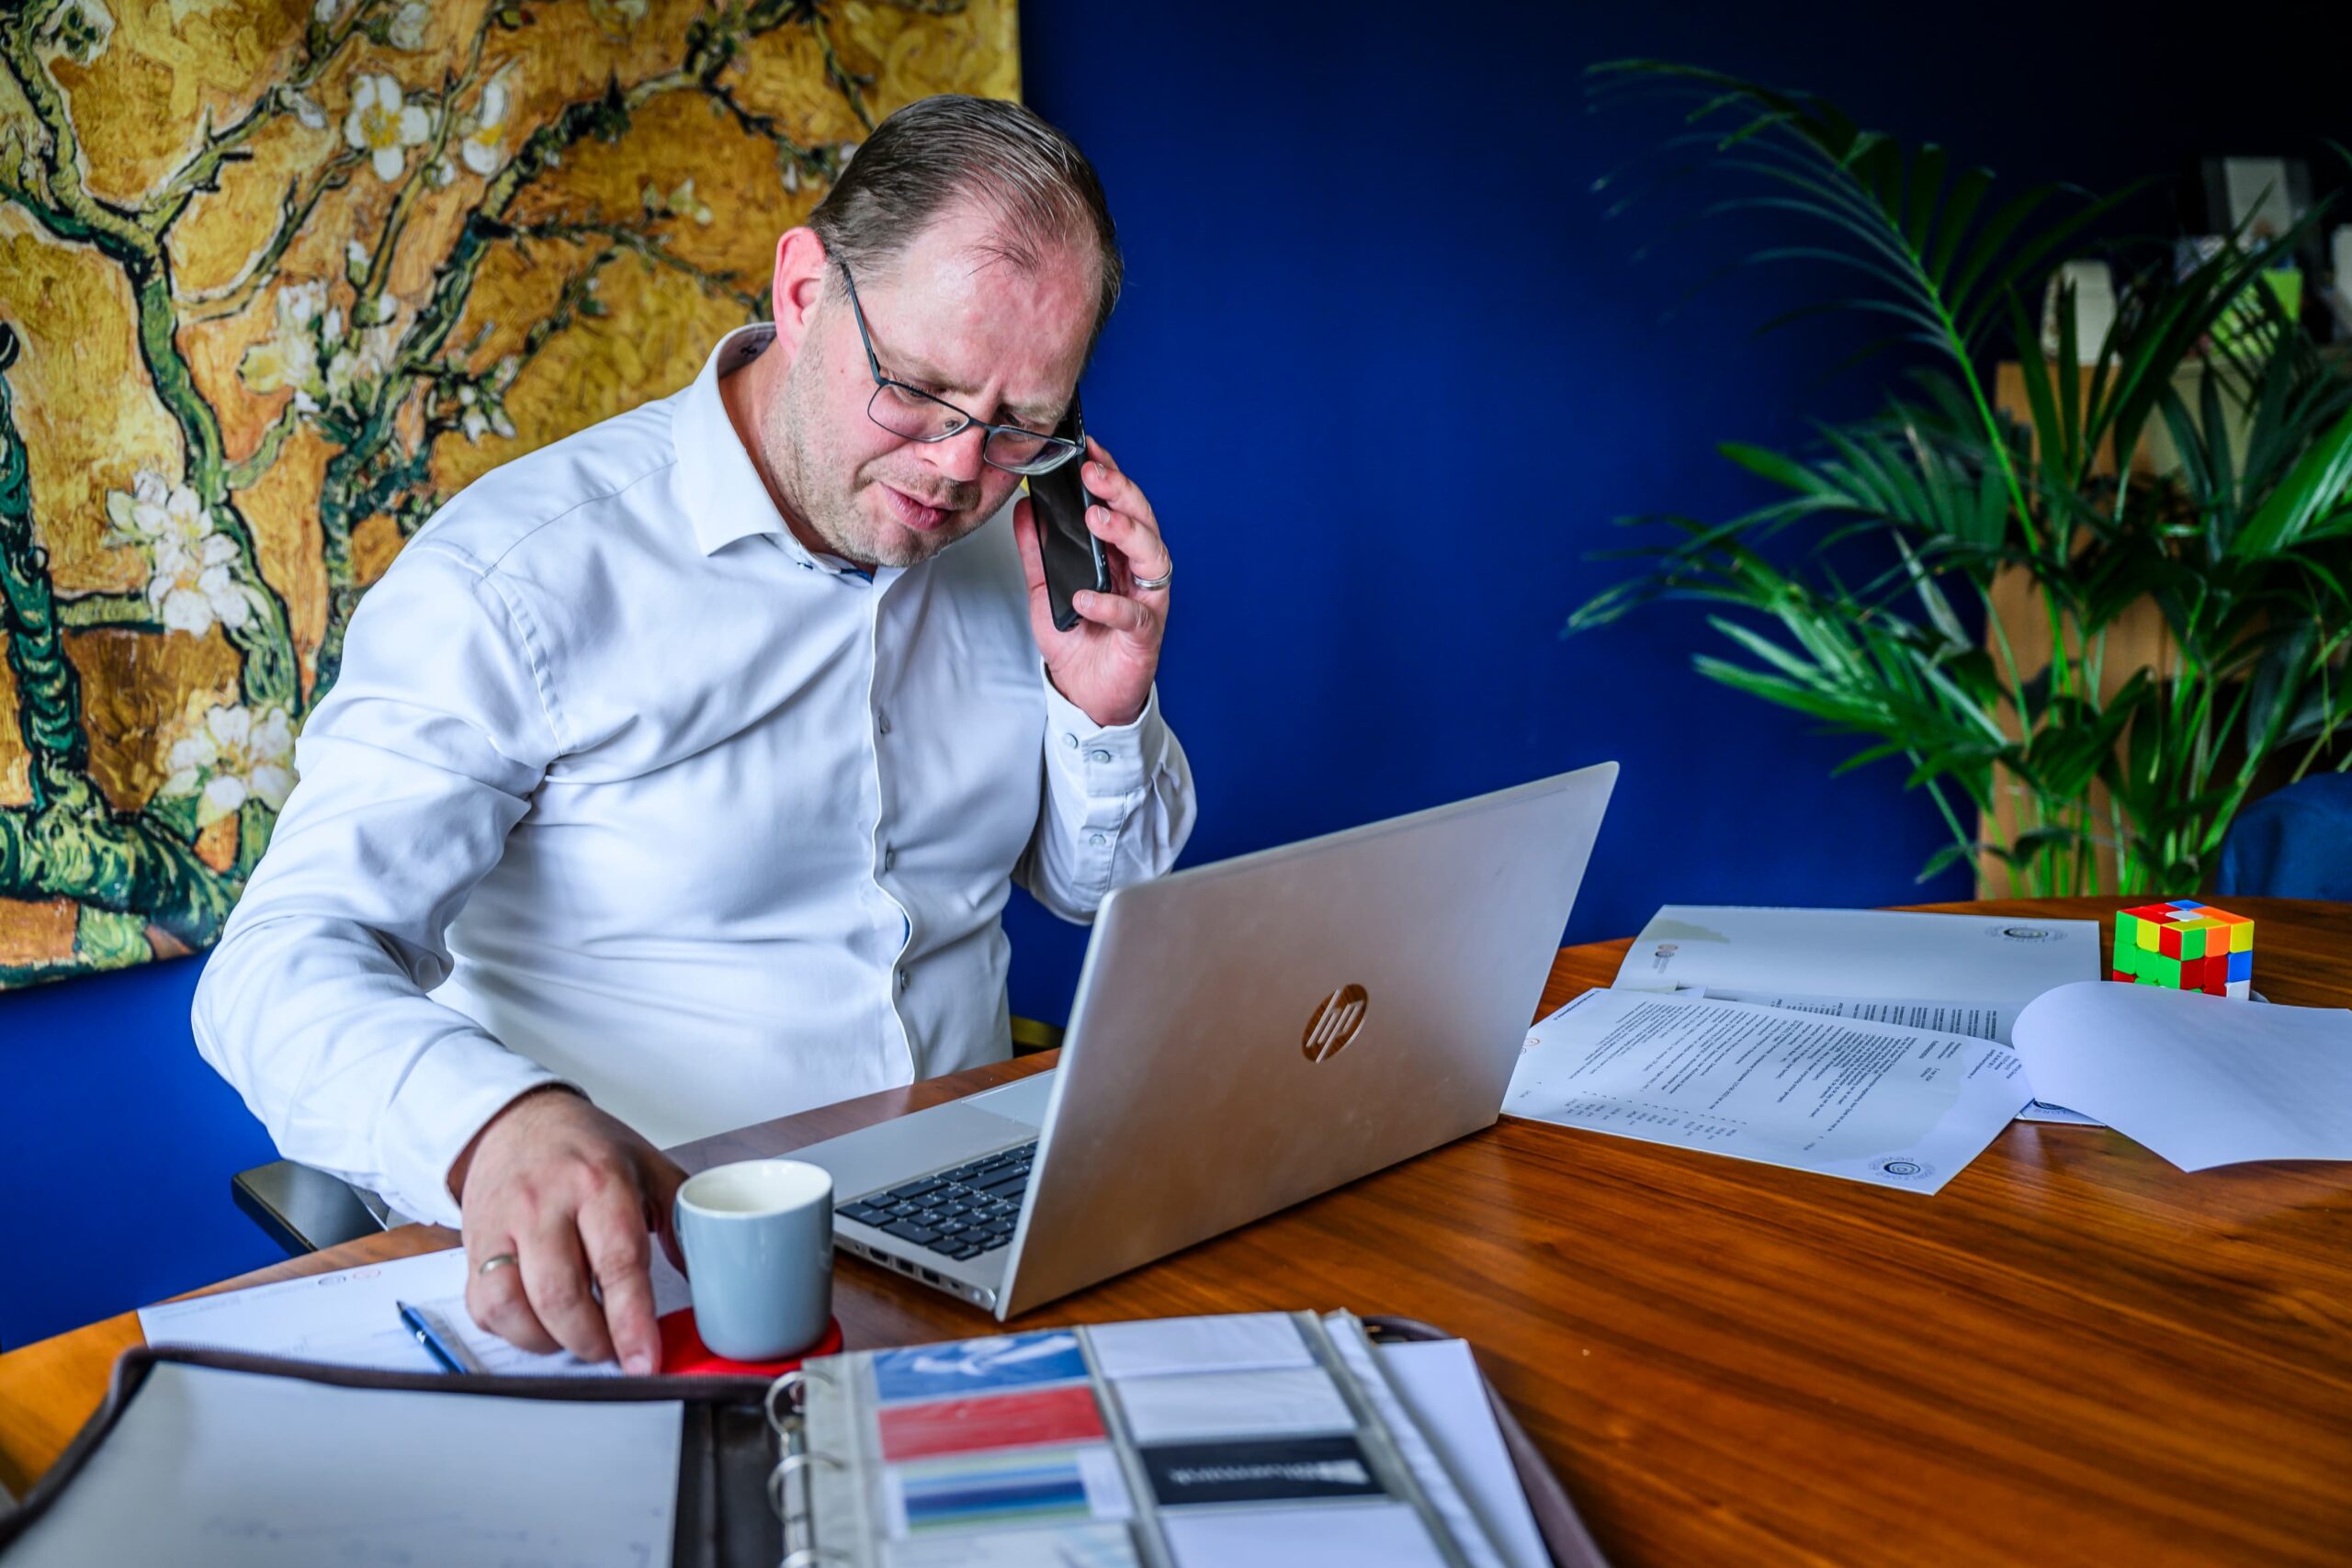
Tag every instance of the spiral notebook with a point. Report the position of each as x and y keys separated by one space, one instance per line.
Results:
x=1275 y=1438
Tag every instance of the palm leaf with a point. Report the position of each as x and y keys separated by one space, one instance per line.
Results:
x=2312 y=493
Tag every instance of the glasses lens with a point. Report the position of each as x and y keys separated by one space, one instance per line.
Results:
x=903 y=412
x=1023 y=453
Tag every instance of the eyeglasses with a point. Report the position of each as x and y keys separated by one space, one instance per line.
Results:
x=910 y=412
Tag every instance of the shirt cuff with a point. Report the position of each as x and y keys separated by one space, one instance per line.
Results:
x=1108 y=768
x=451 y=1094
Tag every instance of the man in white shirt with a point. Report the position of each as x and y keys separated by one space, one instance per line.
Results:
x=676 y=773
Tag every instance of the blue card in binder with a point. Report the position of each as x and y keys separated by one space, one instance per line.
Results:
x=977 y=1365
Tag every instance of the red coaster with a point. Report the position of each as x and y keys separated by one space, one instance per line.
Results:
x=683 y=1351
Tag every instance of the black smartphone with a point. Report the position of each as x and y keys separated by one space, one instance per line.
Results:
x=1073 y=556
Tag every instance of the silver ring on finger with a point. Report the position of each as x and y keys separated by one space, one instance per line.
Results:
x=490 y=1264
x=1151 y=584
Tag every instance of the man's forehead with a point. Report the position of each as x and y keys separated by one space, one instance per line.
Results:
x=959 y=311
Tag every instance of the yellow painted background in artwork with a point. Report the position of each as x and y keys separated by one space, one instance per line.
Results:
x=311 y=232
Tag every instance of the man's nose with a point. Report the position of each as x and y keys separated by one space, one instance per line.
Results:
x=958 y=456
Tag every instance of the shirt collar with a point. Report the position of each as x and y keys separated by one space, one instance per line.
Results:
x=724 y=496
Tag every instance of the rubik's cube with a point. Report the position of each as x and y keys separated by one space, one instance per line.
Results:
x=2187 y=945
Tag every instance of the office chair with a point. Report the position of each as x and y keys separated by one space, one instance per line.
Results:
x=302 y=1208
x=2292 y=843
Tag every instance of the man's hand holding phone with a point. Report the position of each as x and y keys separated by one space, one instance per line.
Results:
x=1105 y=662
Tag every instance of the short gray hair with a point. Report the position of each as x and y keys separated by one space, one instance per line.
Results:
x=940 y=151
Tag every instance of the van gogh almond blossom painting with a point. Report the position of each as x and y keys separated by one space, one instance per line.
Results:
x=277 y=279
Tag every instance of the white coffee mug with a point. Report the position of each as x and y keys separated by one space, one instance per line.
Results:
x=758 y=1238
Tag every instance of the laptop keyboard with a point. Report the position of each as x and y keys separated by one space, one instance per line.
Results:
x=958 y=1213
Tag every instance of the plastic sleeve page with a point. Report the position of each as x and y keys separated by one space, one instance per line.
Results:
x=830 y=1508
x=1442 y=1389
x=2202 y=1080
x=1464 y=1522
x=1871 y=1103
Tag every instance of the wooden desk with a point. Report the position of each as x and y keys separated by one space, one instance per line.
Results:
x=2073 y=1354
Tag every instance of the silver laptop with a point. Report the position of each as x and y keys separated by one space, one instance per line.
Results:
x=1246 y=1035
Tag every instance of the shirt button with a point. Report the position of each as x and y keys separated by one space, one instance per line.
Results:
x=881 y=725
x=890 y=857
x=902 y=979
x=1098 y=756
x=1070 y=740
x=1097 y=839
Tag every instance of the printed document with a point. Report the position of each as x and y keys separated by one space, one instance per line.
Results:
x=2202 y=1080
x=1954 y=973
x=1874 y=1102
x=350 y=1318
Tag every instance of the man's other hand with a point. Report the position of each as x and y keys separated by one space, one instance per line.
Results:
x=572 y=1195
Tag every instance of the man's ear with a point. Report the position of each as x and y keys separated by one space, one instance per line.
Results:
x=798 y=284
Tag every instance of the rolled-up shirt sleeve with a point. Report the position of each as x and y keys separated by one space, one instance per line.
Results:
x=1117 y=806
x=412 y=772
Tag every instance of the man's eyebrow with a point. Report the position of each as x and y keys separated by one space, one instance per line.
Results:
x=915 y=369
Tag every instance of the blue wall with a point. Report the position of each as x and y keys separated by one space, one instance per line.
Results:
x=116 y=1143
x=1387 y=376
x=1366 y=235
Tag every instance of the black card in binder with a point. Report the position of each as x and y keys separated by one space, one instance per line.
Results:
x=780 y=1473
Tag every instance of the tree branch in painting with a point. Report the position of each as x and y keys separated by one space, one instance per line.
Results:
x=376 y=377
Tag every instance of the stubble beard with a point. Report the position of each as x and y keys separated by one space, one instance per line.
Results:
x=826 y=494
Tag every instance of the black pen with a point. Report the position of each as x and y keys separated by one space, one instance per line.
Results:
x=452 y=1358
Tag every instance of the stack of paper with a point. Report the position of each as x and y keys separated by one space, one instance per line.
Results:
x=1949 y=973
x=1874 y=1102
x=1813 y=1039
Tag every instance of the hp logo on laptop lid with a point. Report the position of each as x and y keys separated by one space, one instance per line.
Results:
x=1334 y=1023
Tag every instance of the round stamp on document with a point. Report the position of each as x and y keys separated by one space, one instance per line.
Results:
x=1904 y=1168
x=2024 y=933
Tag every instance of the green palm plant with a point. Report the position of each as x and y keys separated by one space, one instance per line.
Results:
x=2243 y=542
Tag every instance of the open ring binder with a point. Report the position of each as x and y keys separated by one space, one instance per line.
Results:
x=792 y=1470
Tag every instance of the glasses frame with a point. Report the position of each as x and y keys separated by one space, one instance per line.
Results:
x=1056 y=451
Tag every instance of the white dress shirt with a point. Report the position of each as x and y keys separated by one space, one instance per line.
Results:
x=621 y=787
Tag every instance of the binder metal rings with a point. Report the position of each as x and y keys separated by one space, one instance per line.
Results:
x=788 y=1467
x=790 y=1385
